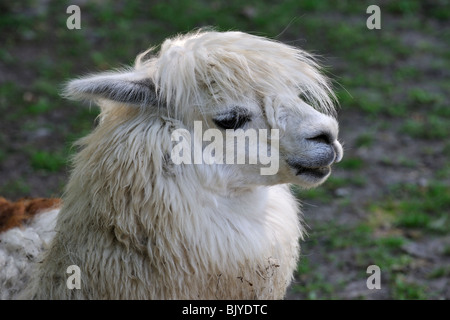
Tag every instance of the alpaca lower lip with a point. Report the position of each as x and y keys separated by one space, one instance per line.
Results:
x=312 y=170
x=315 y=172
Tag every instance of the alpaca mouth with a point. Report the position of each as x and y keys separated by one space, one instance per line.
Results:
x=319 y=172
x=312 y=170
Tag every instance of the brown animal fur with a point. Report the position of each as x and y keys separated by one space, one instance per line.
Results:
x=15 y=214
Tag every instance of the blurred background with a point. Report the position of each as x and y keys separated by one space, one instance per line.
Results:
x=386 y=204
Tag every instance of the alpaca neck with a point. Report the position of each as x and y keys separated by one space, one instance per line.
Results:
x=124 y=178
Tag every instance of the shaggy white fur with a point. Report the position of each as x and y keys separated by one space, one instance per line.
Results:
x=20 y=249
x=140 y=227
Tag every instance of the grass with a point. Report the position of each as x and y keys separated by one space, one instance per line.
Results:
x=47 y=161
x=446 y=251
x=366 y=249
x=439 y=272
x=364 y=140
x=407 y=290
x=391 y=242
x=3 y=155
x=13 y=187
x=431 y=127
x=411 y=206
x=41 y=106
x=330 y=189
x=352 y=163
x=379 y=239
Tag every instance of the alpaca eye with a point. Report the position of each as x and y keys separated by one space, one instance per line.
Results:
x=235 y=119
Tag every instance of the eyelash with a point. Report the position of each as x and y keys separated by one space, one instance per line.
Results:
x=234 y=120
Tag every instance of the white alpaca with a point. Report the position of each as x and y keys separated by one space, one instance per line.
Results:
x=140 y=226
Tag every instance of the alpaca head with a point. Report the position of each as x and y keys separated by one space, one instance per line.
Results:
x=220 y=87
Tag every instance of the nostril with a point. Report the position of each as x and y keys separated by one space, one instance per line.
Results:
x=322 y=138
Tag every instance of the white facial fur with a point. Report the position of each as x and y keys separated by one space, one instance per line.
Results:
x=297 y=148
x=199 y=79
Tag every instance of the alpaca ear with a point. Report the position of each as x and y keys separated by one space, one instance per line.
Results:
x=126 y=87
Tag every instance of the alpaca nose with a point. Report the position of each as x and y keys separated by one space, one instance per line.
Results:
x=338 y=150
x=329 y=139
x=324 y=137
